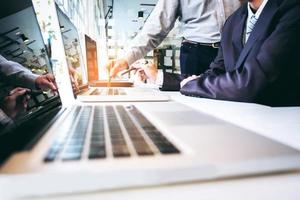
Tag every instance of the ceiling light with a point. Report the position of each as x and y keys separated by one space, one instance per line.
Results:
x=24 y=38
x=141 y=14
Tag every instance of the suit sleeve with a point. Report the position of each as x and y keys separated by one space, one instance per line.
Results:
x=15 y=74
x=171 y=81
x=258 y=71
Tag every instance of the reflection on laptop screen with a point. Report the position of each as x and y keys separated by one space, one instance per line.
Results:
x=21 y=45
x=91 y=58
x=73 y=52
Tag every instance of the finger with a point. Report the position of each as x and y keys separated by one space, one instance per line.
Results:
x=51 y=86
x=110 y=64
x=117 y=67
x=114 y=71
x=138 y=71
x=141 y=71
x=52 y=82
x=50 y=77
x=19 y=93
x=47 y=84
x=18 y=89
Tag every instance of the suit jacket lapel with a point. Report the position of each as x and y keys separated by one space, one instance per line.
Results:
x=237 y=37
x=262 y=23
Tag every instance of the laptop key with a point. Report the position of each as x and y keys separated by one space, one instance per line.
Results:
x=58 y=143
x=71 y=156
x=119 y=146
x=160 y=141
x=138 y=141
x=76 y=142
x=97 y=152
x=110 y=91
x=97 y=144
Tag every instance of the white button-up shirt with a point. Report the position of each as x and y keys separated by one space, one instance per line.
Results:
x=250 y=14
x=201 y=21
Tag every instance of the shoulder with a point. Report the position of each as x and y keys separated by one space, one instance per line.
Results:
x=288 y=11
x=238 y=14
x=287 y=5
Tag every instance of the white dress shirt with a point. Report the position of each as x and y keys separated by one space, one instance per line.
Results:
x=250 y=14
x=201 y=21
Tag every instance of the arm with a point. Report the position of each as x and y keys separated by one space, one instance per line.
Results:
x=157 y=27
x=258 y=72
x=16 y=74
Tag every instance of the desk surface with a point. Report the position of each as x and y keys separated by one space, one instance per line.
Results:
x=279 y=187
x=281 y=124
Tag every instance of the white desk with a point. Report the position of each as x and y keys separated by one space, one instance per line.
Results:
x=281 y=187
x=278 y=123
x=282 y=124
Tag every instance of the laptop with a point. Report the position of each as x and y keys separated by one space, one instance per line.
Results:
x=90 y=89
x=51 y=149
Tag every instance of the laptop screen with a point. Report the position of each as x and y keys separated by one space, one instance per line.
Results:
x=22 y=53
x=73 y=51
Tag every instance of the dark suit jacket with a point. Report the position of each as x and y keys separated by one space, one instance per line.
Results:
x=266 y=70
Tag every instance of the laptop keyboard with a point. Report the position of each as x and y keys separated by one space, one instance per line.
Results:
x=98 y=132
x=108 y=91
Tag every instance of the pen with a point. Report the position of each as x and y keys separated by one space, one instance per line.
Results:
x=128 y=70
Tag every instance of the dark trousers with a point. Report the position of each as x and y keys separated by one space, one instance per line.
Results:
x=195 y=58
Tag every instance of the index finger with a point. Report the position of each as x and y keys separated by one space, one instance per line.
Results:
x=52 y=83
x=18 y=89
x=19 y=93
x=110 y=64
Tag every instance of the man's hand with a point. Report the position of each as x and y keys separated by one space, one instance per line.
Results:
x=146 y=70
x=115 y=66
x=46 y=82
x=15 y=102
x=188 y=79
x=74 y=77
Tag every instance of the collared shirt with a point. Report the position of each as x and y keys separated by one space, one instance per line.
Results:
x=256 y=14
x=200 y=21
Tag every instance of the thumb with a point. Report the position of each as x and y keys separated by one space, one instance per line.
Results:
x=19 y=93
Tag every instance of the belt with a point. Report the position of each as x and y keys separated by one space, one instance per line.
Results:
x=213 y=45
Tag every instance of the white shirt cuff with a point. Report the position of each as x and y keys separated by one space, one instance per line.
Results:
x=160 y=78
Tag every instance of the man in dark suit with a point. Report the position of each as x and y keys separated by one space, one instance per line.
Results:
x=264 y=68
x=257 y=61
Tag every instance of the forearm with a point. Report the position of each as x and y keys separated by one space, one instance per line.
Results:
x=157 y=27
x=16 y=74
x=239 y=85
